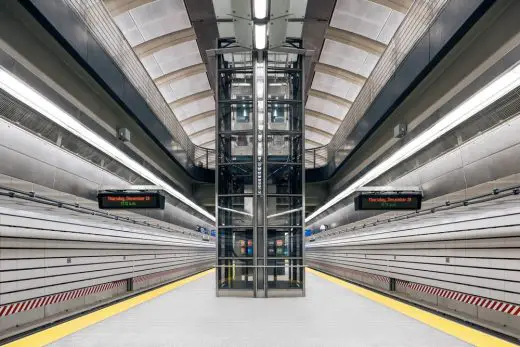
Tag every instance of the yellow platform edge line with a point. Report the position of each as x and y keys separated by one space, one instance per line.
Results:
x=460 y=331
x=57 y=332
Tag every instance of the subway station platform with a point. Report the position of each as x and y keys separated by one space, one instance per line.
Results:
x=196 y=172
x=334 y=313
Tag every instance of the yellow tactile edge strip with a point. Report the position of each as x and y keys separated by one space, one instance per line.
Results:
x=460 y=331
x=59 y=331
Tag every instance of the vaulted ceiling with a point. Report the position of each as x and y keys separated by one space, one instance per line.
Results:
x=170 y=38
x=163 y=38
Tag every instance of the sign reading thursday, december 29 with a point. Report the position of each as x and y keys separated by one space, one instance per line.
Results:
x=131 y=200
x=381 y=201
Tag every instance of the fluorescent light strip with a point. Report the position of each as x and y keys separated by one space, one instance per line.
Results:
x=477 y=102
x=39 y=103
x=260 y=9
x=260 y=36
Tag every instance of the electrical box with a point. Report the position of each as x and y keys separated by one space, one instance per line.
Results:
x=400 y=130
x=123 y=134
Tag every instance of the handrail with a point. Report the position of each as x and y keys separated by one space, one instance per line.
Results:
x=316 y=157
x=204 y=157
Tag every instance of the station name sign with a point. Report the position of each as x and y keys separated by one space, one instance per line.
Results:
x=131 y=200
x=388 y=201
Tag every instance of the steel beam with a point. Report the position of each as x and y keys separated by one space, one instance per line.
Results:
x=355 y=40
x=191 y=98
x=335 y=99
x=152 y=46
x=316 y=22
x=236 y=49
x=203 y=19
x=180 y=74
x=117 y=7
x=346 y=75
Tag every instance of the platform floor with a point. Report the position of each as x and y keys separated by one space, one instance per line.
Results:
x=191 y=315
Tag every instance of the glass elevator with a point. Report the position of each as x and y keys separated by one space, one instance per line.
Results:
x=259 y=173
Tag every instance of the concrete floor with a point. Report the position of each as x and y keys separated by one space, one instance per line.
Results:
x=192 y=316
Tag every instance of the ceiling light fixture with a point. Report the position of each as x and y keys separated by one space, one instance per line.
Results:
x=260 y=36
x=32 y=98
x=467 y=109
x=260 y=9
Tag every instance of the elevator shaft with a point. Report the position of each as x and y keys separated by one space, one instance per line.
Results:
x=260 y=174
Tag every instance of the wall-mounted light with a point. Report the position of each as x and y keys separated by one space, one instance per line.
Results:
x=32 y=98
x=467 y=109
x=260 y=36
x=260 y=9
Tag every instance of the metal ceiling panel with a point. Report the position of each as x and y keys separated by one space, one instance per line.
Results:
x=243 y=32
x=327 y=107
x=294 y=29
x=200 y=124
x=205 y=137
x=160 y=17
x=222 y=9
x=241 y=9
x=390 y=27
x=279 y=8
x=316 y=122
x=226 y=29
x=193 y=108
x=178 y=57
x=151 y=66
x=348 y=58
x=127 y=26
x=277 y=32
x=313 y=136
x=335 y=86
x=362 y=17
x=185 y=87
x=297 y=8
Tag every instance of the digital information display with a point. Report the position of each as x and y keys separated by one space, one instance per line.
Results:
x=127 y=200
x=382 y=201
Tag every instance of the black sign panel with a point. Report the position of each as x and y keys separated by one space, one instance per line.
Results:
x=383 y=201
x=127 y=200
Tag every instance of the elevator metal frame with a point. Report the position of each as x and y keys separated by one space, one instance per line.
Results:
x=257 y=261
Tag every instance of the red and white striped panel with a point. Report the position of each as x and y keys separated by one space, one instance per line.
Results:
x=27 y=305
x=468 y=298
x=401 y=284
